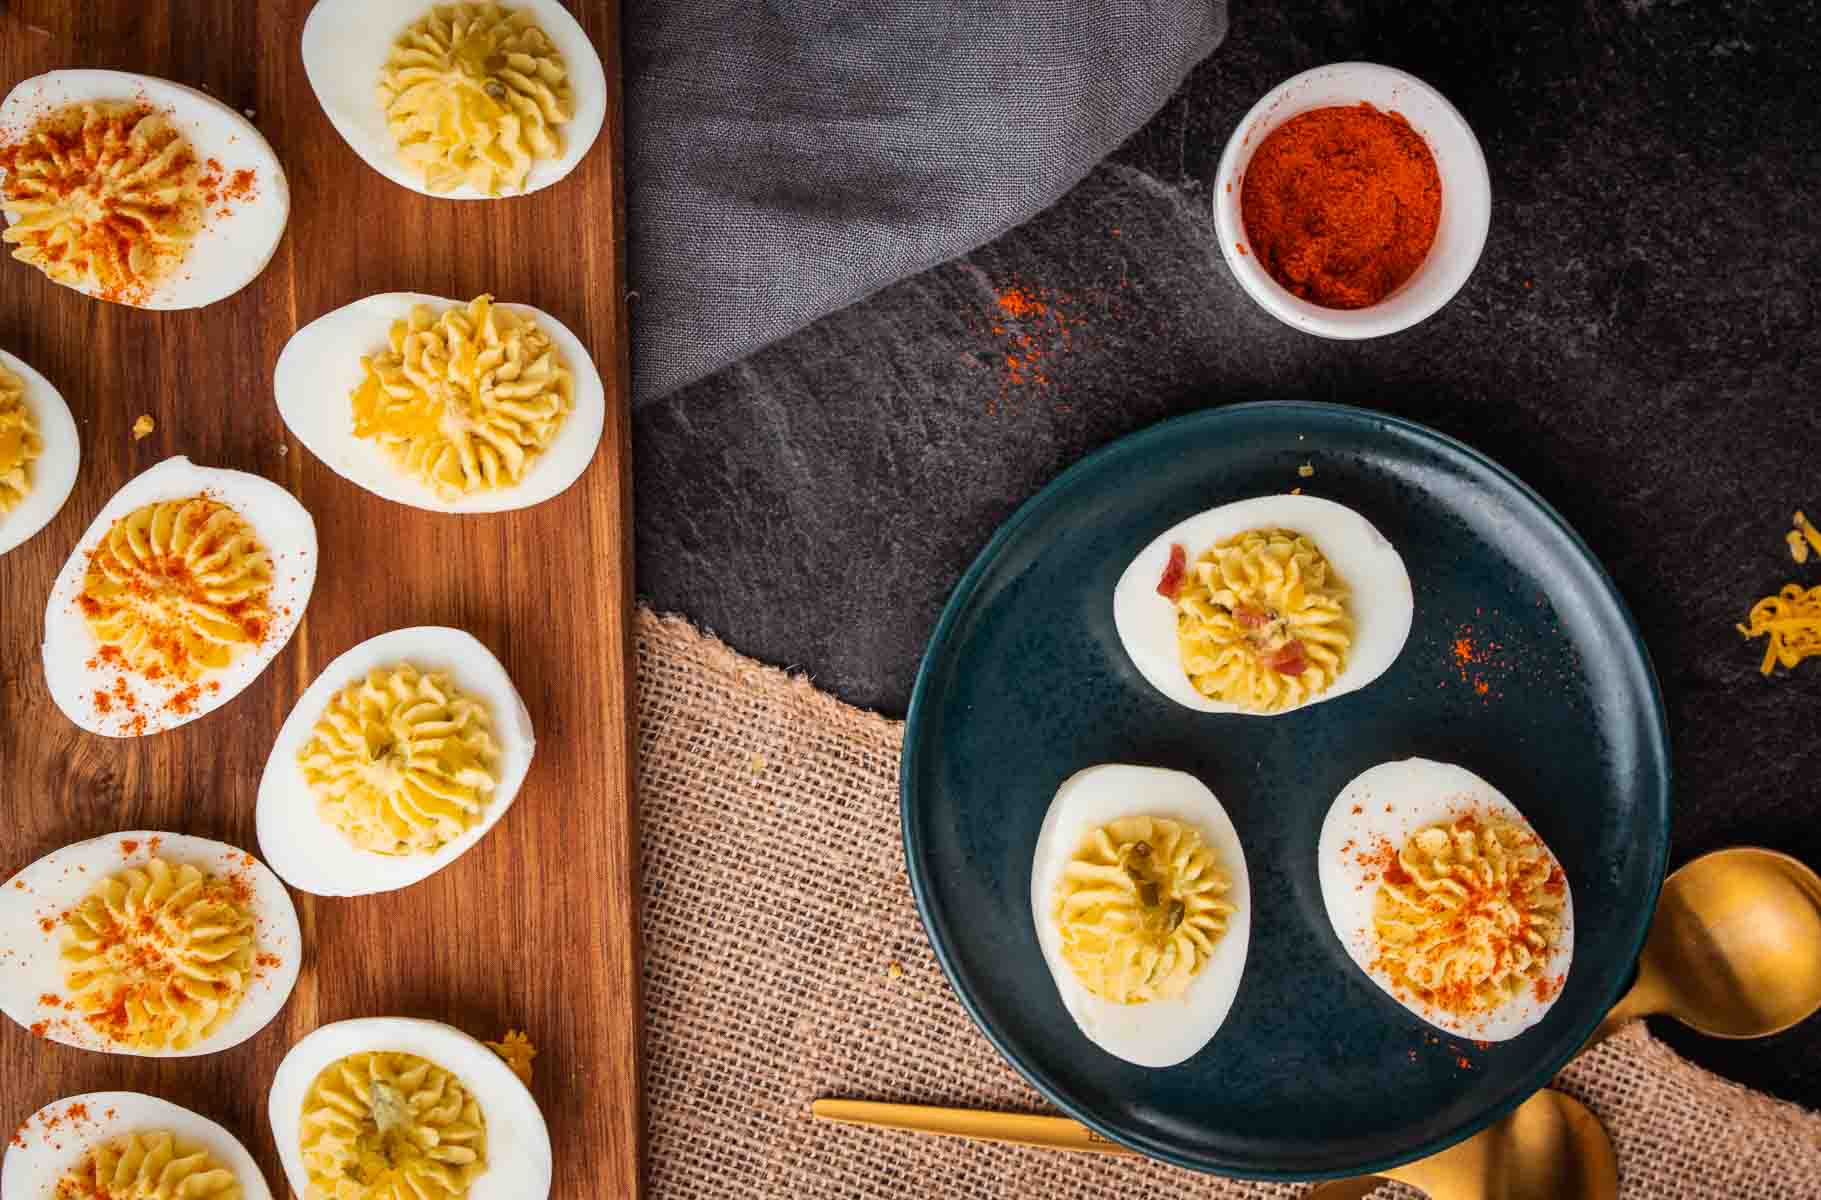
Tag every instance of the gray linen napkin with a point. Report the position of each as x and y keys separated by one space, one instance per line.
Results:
x=786 y=159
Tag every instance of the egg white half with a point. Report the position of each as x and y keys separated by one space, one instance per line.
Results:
x=345 y=47
x=1160 y=1033
x=1379 y=601
x=53 y=1140
x=31 y=967
x=1394 y=800
x=519 y=1163
x=53 y=472
x=239 y=237
x=314 y=856
x=73 y=672
x=319 y=369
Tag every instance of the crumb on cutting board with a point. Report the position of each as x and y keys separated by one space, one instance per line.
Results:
x=517 y=1051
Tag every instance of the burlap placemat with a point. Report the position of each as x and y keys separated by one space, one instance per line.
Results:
x=784 y=962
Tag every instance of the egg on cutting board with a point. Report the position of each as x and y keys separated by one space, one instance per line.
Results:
x=137 y=190
x=39 y=452
x=1448 y=900
x=396 y=761
x=1142 y=906
x=451 y=406
x=125 y=1144
x=1264 y=606
x=406 y=1107
x=144 y=943
x=184 y=588
x=464 y=101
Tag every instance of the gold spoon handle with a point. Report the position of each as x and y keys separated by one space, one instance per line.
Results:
x=1021 y=1129
x=1347 y=1189
x=1646 y=997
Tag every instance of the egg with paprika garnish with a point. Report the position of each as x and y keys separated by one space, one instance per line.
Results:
x=127 y=1144
x=1443 y=894
x=158 y=945
x=137 y=190
x=1264 y=606
x=183 y=589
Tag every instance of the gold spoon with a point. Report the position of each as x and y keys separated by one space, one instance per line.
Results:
x=1549 y=1148
x=1734 y=950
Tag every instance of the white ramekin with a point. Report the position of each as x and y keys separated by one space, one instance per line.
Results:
x=1466 y=197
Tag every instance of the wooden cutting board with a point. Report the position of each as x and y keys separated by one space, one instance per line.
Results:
x=536 y=927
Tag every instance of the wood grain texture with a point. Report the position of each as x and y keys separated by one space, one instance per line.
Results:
x=537 y=926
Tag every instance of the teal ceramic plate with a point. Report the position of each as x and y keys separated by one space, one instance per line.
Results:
x=1523 y=666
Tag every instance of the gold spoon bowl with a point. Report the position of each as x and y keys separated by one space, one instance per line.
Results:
x=1735 y=949
x=1549 y=1148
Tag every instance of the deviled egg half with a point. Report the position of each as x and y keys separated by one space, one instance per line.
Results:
x=444 y=405
x=1142 y=905
x=39 y=452
x=144 y=943
x=401 y=756
x=182 y=591
x=390 y=1106
x=1264 y=606
x=465 y=101
x=1446 y=898
x=137 y=190
x=124 y=1144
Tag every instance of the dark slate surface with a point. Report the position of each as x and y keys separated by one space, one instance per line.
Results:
x=1639 y=343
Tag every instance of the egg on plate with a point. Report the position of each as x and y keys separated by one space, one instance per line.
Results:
x=39 y=452
x=466 y=101
x=1264 y=606
x=183 y=589
x=137 y=190
x=444 y=405
x=400 y=757
x=407 y=1108
x=144 y=943
x=105 y=1144
x=1446 y=898
x=1142 y=904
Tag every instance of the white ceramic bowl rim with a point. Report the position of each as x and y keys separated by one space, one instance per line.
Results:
x=1466 y=197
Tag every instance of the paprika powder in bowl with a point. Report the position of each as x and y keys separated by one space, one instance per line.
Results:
x=1369 y=201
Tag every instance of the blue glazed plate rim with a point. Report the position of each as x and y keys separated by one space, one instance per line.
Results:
x=1058 y=489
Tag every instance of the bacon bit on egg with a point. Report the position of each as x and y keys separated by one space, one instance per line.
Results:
x=1170 y=586
x=1289 y=658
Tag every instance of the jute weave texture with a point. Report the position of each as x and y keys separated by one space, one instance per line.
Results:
x=784 y=961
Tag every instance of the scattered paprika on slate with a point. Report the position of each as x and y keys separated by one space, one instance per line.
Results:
x=1341 y=204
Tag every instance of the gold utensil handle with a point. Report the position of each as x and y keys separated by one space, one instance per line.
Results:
x=1348 y=1189
x=1022 y=1129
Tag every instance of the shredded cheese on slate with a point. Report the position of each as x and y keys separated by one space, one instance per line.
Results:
x=1792 y=621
